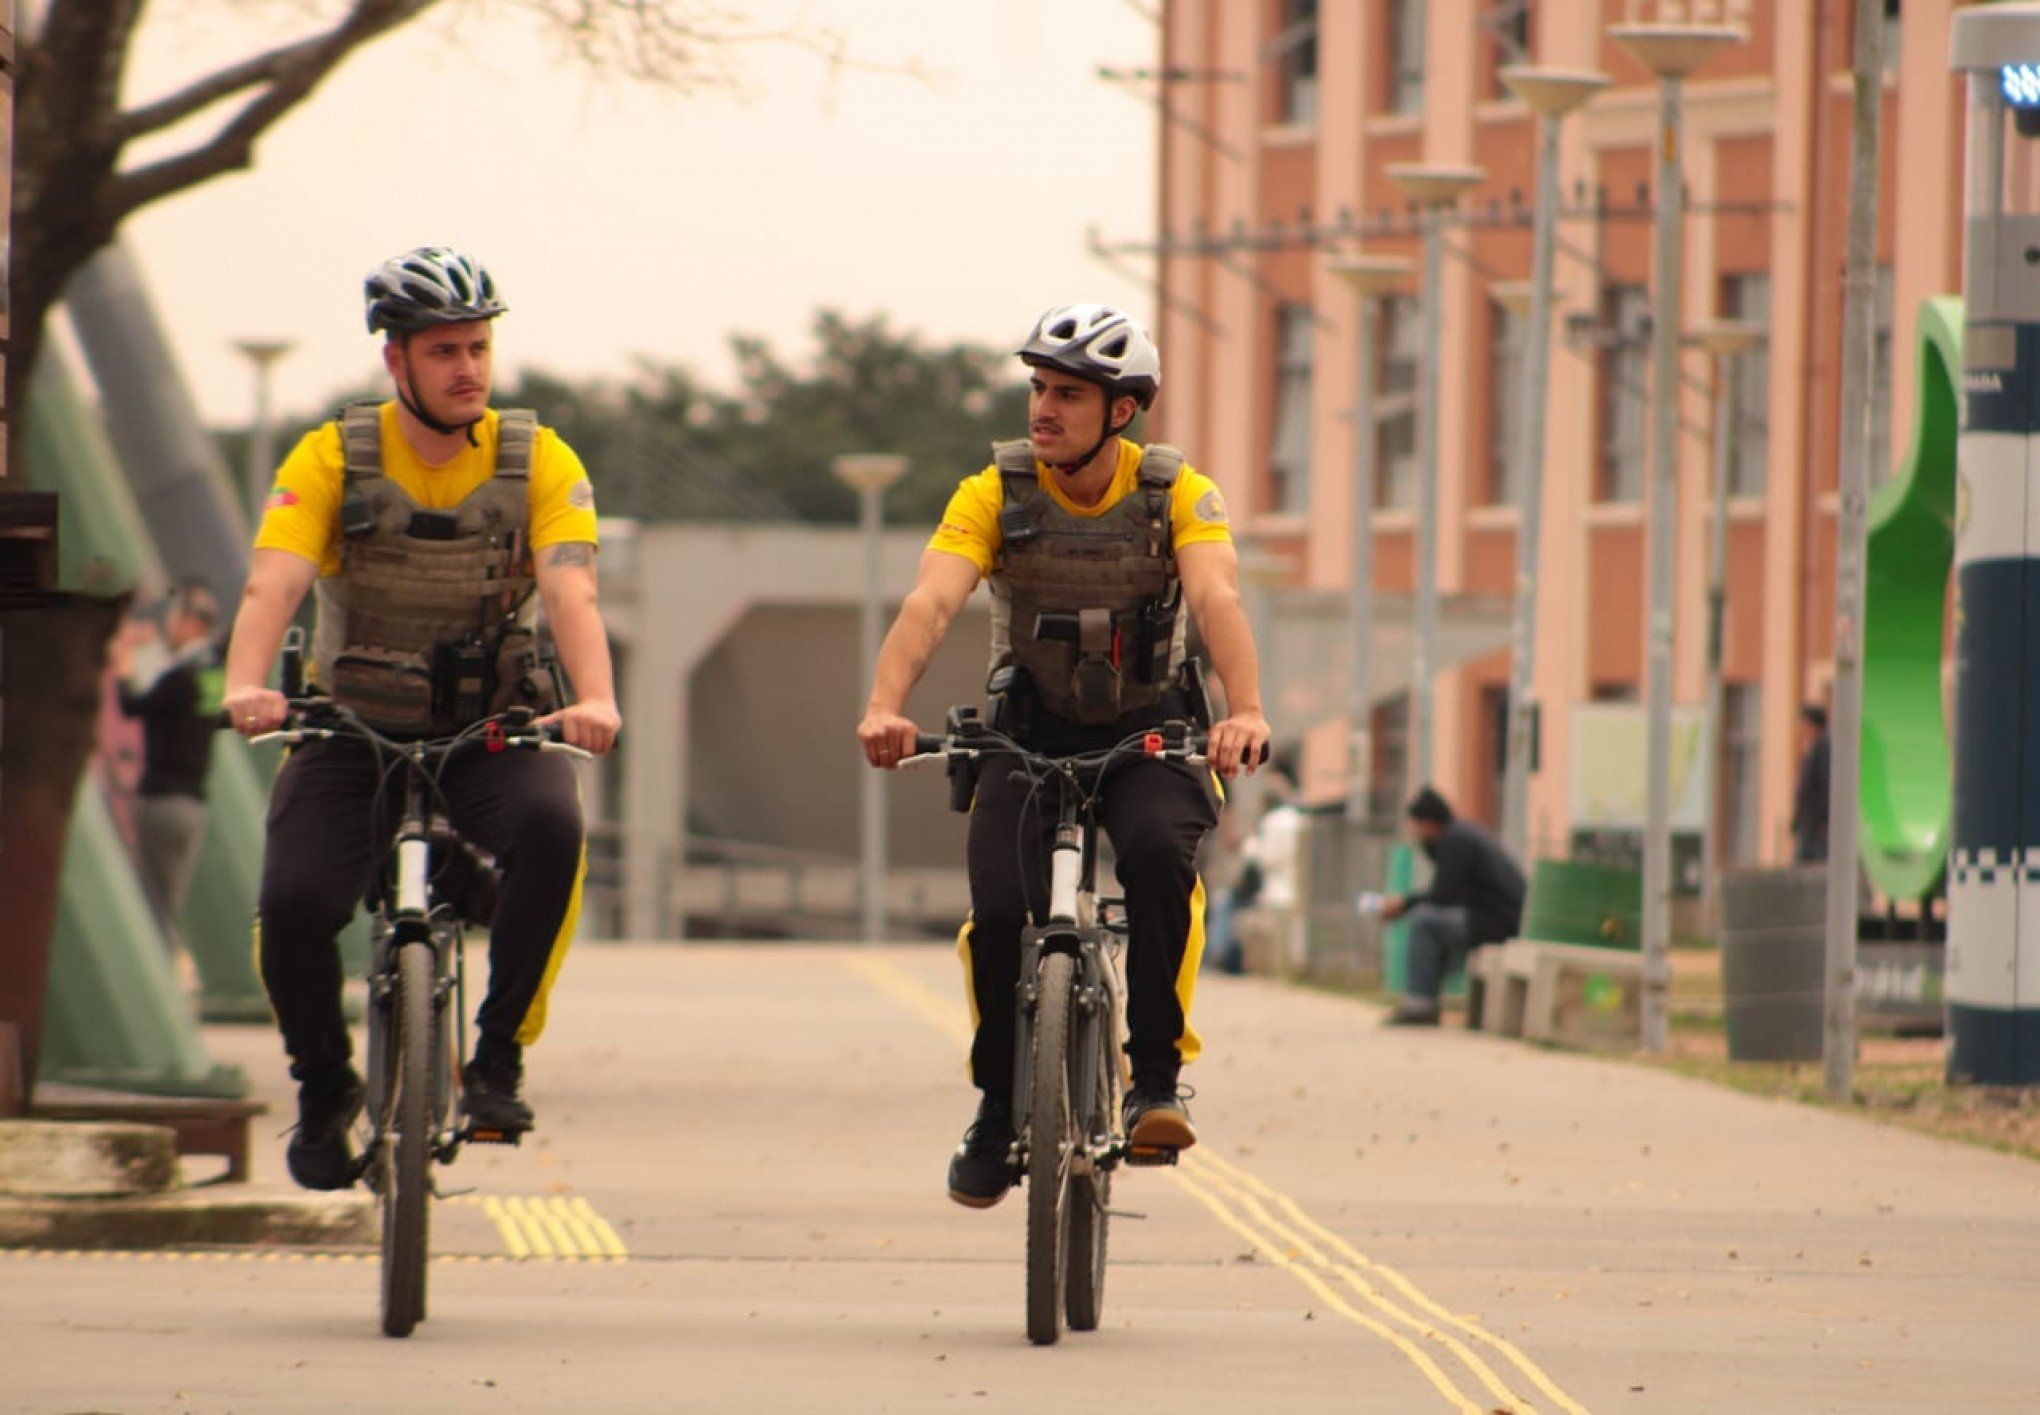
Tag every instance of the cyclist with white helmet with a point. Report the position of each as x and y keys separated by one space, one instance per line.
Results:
x=432 y=526
x=1093 y=547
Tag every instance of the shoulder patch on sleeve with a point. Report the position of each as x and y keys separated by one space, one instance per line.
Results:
x=1211 y=507
x=581 y=495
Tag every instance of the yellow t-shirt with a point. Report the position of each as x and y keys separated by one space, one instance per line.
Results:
x=302 y=514
x=970 y=526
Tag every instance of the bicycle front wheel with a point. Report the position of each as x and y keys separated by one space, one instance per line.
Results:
x=1051 y=1146
x=405 y=1157
x=1090 y=1195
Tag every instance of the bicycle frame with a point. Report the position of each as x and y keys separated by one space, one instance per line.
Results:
x=1071 y=925
x=404 y=914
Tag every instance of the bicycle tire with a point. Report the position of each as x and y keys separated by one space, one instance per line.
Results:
x=1051 y=1138
x=1090 y=1195
x=407 y=1144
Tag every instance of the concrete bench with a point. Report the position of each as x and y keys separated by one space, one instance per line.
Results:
x=1568 y=994
x=202 y=1126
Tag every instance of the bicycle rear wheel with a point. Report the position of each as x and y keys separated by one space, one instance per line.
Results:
x=1051 y=1145
x=1090 y=1194
x=404 y=1161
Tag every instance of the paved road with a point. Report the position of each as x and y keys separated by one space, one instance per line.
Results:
x=1378 y=1221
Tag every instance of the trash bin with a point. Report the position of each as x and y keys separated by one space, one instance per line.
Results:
x=1774 y=962
x=1572 y=902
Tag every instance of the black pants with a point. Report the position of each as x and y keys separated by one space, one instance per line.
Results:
x=328 y=831
x=1155 y=814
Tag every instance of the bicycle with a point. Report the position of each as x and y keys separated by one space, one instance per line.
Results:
x=414 y=1115
x=1070 y=1077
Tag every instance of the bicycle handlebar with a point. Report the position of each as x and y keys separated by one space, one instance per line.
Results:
x=319 y=719
x=1187 y=748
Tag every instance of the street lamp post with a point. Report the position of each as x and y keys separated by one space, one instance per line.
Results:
x=1551 y=94
x=870 y=473
x=1434 y=189
x=1727 y=341
x=262 y=355
x=1671 y=51
x=1369 y=278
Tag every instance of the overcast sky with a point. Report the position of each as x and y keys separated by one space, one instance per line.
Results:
x=622 y=221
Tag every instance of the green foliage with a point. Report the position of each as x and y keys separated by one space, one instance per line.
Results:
x=660 y=445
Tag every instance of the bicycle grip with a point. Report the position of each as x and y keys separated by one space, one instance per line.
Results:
x=927 y=743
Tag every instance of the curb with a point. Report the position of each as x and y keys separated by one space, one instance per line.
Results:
x=191 y=1218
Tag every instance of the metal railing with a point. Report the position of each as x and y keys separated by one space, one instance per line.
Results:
x=723 y=888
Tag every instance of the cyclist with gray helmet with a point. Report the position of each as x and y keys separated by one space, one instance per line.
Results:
x=431 y=526
x=1093 y=547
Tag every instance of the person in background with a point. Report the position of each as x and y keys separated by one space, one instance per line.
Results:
x=1475 y=897
x=1265 y=877
x=178 y=705
x=1810 y=796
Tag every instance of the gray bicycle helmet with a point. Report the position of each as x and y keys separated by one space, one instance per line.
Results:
x=427 y=286
x=1098 y=344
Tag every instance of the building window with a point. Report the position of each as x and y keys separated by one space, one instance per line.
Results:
x=1289 y=447
x=1881 y=374
x=1507 y=23
x=1747 y=299
x=1494 y=722
x=1508 y=462
x=1404 y=90
x=1624 y=338
x=1740 y=703
x=1294 y=51
x=1391 y=759
x=1395 y=405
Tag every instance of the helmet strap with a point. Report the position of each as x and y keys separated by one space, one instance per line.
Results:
x=417 y=409
x=1070 y=469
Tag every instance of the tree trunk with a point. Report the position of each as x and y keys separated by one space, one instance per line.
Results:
x=51 y=657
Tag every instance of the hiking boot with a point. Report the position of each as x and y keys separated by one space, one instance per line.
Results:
x=320 y=1154
x=489 y=1098
x=1412 y=1013
x=982 y=1169
x=1157 y=1119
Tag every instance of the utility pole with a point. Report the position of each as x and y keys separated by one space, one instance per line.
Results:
x=1551 y=94
x=1434 y=189
x=1671 y=51
x=1845 y=707
x=1369 y=278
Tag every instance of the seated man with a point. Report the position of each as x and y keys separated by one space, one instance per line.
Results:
x=1475 y=897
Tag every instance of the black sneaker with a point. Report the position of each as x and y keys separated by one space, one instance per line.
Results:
x=320 y=1154
x=1157 y=1119
x=982 y=1170
x=490 y=1099
x=1409 y=1013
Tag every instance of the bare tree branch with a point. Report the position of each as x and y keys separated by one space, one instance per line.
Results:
x=168 y=112
x=292 y=82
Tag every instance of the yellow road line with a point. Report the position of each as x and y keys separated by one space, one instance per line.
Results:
x=1508 y=1349
x=551 y=1226
x=606 y=1238
x=513 y=1239
x=946 y=1015
x=1276 y=1255
x=1298 y=1245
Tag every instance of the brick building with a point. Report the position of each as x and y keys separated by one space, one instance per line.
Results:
x=1281 y=117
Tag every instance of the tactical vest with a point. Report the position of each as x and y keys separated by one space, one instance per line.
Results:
x=429 y=626
x=1114 y=573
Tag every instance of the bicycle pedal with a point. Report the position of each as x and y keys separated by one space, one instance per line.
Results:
x=477 y=1136
x=1145 y=1155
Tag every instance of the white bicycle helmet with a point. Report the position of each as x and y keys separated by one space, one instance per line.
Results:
x=1098 y=344
x=427 y=286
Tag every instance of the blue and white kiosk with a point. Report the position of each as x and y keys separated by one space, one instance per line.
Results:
x=1993 y=962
